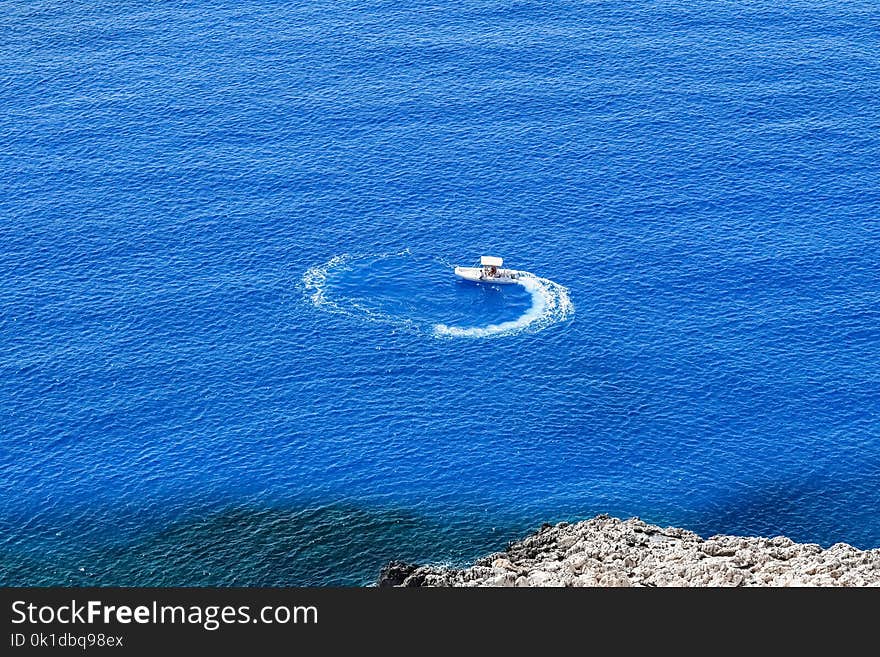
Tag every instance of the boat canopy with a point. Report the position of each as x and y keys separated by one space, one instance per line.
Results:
x=490 y=261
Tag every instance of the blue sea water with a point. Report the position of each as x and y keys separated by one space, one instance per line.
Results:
x=232 y=349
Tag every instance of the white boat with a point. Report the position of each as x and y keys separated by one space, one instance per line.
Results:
x=489 y=271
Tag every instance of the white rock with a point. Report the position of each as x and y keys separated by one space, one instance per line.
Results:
x=605 y=551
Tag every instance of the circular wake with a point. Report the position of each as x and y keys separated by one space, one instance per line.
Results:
x=550 y=304
x=424 y=295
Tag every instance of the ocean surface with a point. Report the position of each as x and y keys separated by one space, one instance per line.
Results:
x=232 y=348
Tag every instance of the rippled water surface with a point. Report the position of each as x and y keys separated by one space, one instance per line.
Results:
x=232 y=348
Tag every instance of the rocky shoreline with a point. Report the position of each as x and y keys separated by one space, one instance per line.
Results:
x=607 y=551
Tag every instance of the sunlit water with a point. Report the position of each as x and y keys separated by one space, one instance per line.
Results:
x=232 y=347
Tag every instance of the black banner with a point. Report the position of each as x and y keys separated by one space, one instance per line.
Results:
x=117 y=620
x=113 y=620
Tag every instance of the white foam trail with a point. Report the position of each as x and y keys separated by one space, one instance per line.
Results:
x=315 y=281
x=550 y=304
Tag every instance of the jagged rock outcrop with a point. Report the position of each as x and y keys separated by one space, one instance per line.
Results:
x=606 y=551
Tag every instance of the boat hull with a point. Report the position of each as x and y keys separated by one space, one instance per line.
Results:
x=477 y=275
